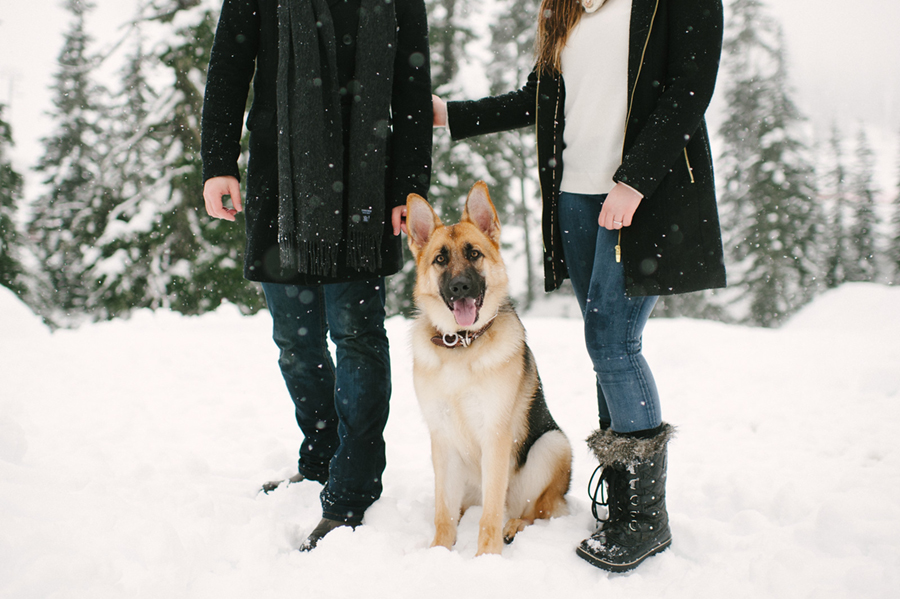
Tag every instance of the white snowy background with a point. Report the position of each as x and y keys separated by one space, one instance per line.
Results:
x=131 y=453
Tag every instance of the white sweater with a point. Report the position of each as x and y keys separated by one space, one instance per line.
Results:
x=595 y=69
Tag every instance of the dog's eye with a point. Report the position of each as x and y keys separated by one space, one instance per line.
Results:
x=474 y=255
x=440 y=259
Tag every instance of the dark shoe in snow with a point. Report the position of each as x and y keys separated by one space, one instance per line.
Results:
x=324 y=527
x=274 y=484
x=622 y=546
x=634 y=471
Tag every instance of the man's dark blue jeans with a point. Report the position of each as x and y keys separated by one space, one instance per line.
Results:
x=342 y=404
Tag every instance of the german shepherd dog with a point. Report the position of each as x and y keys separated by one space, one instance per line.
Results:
x=493 y=440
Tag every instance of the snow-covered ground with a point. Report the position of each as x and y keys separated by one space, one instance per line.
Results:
x=131 y=453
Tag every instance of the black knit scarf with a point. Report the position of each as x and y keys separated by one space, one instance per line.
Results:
x=312 y=214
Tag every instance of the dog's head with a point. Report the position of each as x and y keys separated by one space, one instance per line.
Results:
x=461 y=281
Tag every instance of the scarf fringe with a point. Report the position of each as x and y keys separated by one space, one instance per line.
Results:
x=363 y=251
x=317 y=258
x=287 y=253
x=287 y=247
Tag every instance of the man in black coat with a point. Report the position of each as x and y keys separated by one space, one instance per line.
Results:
x=340 y=134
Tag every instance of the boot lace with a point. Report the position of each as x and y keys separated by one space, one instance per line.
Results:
x=599 y=491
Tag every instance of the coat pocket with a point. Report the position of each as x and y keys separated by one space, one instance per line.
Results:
x=260 y=120
x=678 y=211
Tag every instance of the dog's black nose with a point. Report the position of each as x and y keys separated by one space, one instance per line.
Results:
x=460 y=286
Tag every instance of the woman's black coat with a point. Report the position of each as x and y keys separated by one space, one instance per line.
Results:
x=245 y=49
x=674 y=244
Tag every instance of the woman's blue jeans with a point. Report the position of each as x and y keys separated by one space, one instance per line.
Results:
x=341 y=405
x=613 y=322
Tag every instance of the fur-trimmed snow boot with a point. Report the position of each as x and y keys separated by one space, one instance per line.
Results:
x=637 y=525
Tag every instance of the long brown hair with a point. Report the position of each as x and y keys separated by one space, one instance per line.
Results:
x=556 y=18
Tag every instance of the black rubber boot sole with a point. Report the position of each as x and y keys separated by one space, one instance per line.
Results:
x=624 y=566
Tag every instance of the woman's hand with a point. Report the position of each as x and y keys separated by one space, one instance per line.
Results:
x=440 y=111
x=619 y=207
x=398 y=219
x=215 y=189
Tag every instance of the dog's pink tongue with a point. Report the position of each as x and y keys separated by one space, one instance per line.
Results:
x=464 y=312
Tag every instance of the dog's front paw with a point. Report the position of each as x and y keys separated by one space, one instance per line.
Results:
x=444 y=536
x=513 y=526
x=448 y=544
x=489 y=542
x=492 y=548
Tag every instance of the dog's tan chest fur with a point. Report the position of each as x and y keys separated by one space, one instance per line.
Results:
x=472 y=389
x=467 y=407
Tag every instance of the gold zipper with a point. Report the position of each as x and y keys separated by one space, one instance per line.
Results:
x=640 y=67
x=537 y=103
x=631 y=105
x=537 y=146
x=688 y=162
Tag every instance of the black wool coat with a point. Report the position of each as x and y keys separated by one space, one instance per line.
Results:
x=674 y=244
x=245 y=50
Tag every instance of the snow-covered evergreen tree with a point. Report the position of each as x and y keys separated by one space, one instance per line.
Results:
x=133 y=172
x=198 y=259
x=894 y=235
x=12 y=272
x=837 y=240
x=511 y=156
x=863 y=231
x=772 y=221
x=70 y=216
x=456 y=165
x=160 y=249
x=167 y=10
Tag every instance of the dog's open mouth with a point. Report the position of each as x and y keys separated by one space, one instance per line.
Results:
x=465 y=310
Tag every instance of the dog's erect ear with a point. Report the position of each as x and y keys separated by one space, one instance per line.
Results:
x=421 y=221
x=480 y=212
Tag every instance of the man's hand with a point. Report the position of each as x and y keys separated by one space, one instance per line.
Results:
x=619 y=206
x=398 y=219
x=215 y=189
x=439 y=107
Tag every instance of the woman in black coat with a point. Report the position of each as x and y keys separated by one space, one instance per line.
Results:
x=340 y=134
x=618 y=98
